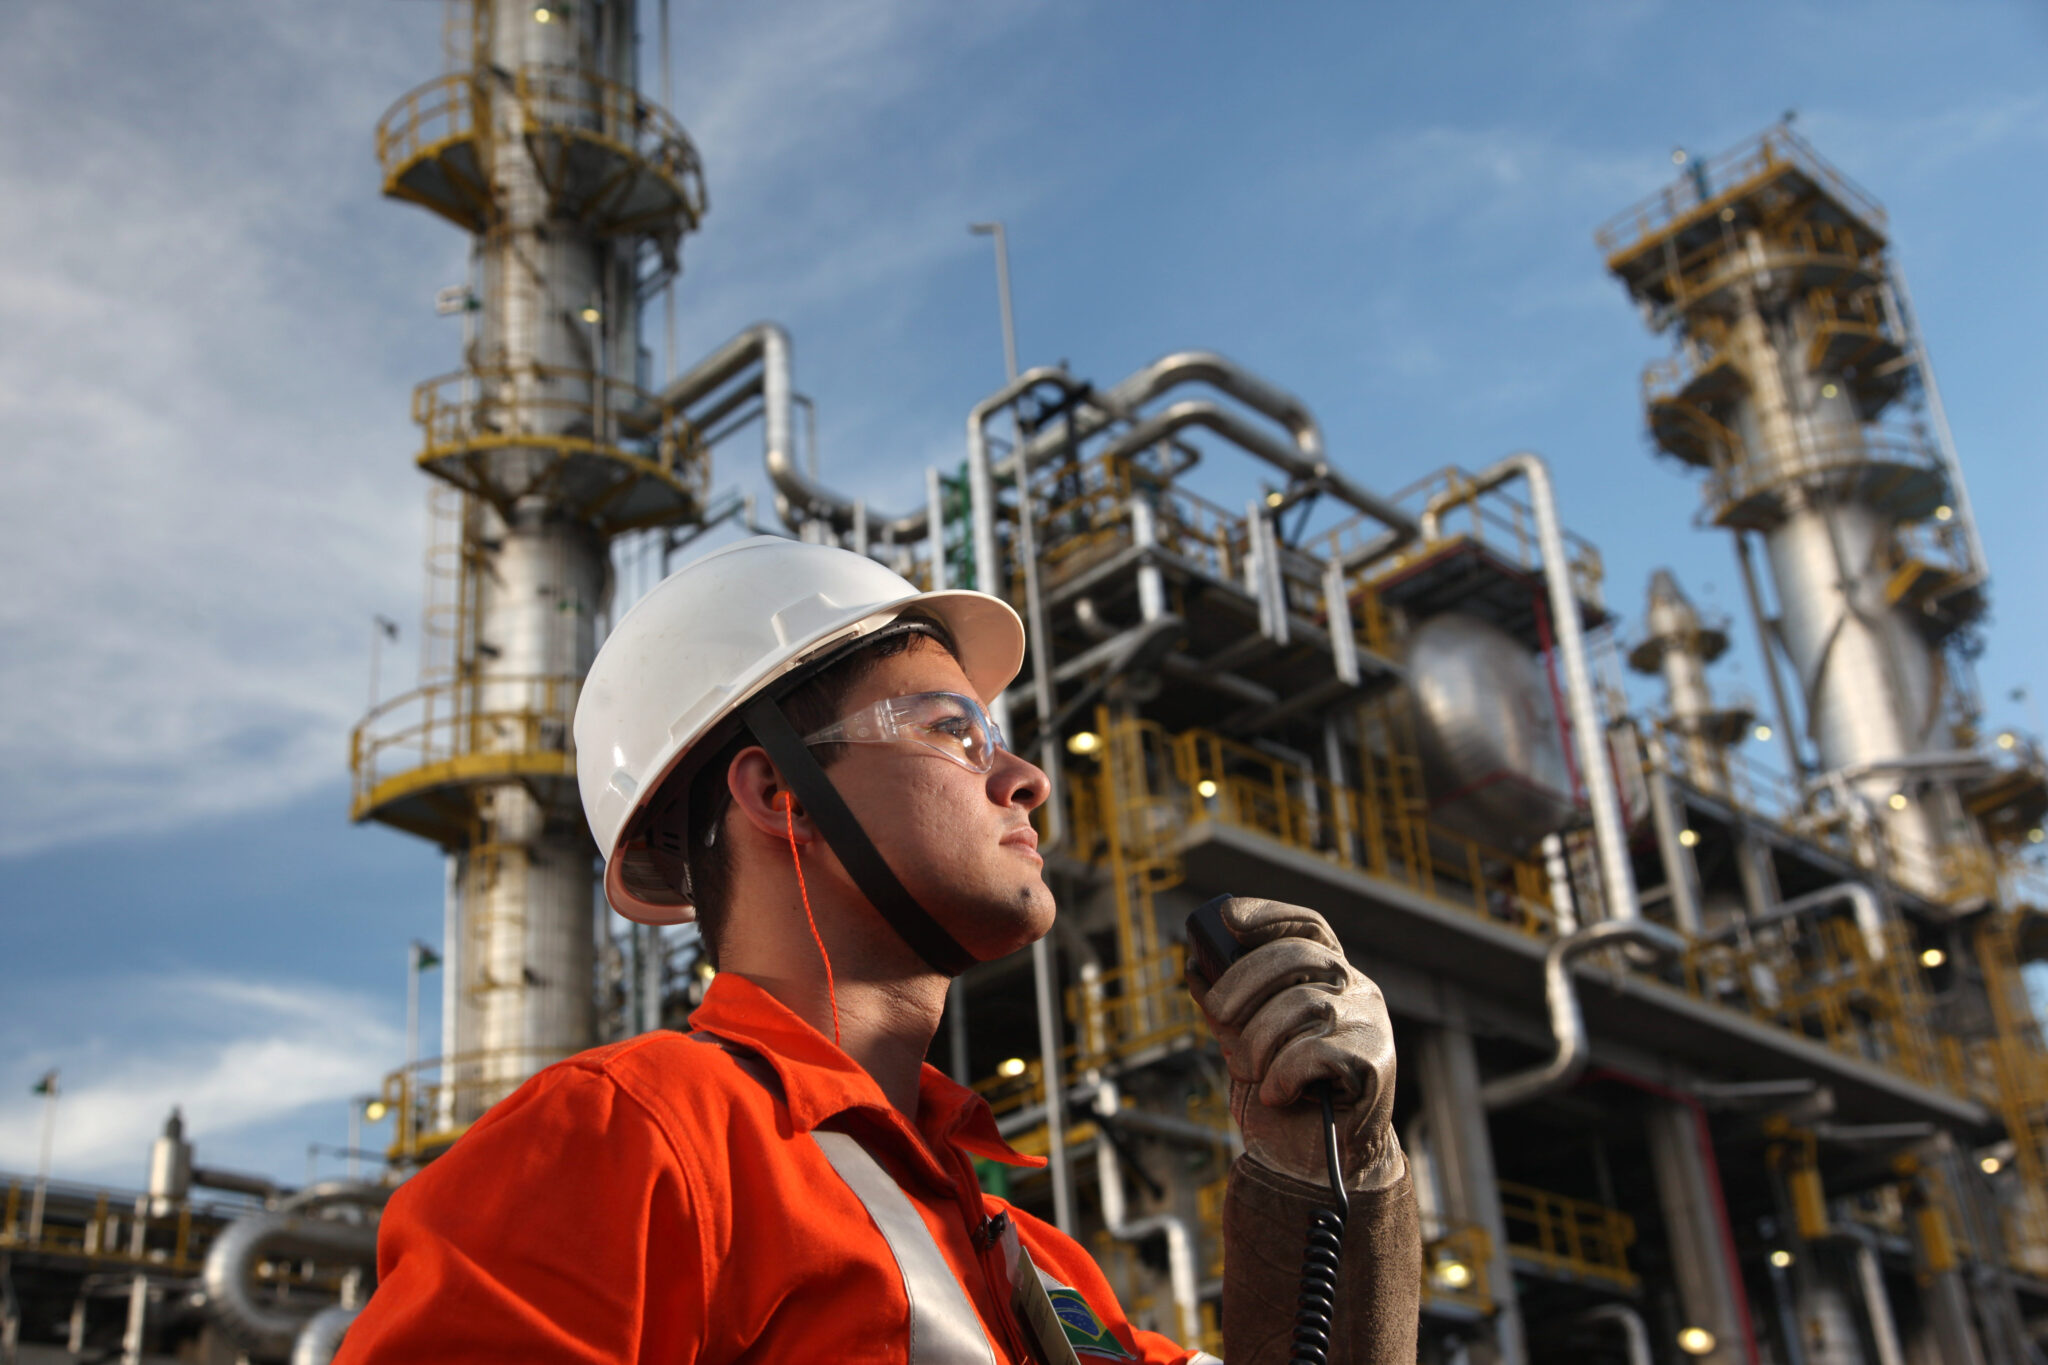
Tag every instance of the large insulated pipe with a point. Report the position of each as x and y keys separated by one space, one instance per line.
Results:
x=1617 y=875
x=1634 y=1333
x=1305 y=461
x=800 y=498
x=981 y=483
x=1567 y=1023
x=320 y=1339
x=238 y=1182
x=1861 y=899
x=230 y=1274
x=1180 y=1238
x=1292 y=461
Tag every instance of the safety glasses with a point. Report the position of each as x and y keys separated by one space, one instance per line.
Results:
x=947 y=723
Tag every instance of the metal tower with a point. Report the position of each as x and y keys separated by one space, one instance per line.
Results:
x=1802 y=390
x=1677 y=646
x=576 y=191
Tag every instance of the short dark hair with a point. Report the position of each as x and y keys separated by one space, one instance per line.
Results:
x=813 y=705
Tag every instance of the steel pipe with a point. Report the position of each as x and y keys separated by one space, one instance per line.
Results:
x=320 y=1339
x=1180 y=1237
x=1567 y=1023
x=230 y=1273
x=1621 y=1315
x=981 y=488
x=1046 y=990
x=1617 y=876
x=1304 y=461
x=1301 y=463
x=798 y=497
x=1862 y=900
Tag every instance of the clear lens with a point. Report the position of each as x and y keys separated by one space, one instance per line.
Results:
x=948 y=723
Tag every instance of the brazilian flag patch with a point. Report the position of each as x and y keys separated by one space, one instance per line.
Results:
x=1085 y=1332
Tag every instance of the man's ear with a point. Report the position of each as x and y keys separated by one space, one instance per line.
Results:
x=763 y=800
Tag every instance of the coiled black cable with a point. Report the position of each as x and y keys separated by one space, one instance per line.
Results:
x=1317 y=1303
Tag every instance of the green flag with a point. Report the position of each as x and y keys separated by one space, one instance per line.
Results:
x=426 y=957
x=48 y=1084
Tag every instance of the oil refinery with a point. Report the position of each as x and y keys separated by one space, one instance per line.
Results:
x=1703 y=1057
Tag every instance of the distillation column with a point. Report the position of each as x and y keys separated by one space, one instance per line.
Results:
x=1794 y=392
x=1678 y=646
x=576 y=191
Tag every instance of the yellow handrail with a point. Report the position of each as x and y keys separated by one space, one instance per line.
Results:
x=512 y=716
x=1572 y=1236
x=1734 y=171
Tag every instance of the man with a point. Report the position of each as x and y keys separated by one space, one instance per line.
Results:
x=790 y=1182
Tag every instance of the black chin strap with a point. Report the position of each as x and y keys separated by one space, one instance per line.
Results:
x=857 y=853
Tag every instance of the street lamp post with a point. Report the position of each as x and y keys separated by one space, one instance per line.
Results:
x=382 y=628
x=418 y=958
x=1042 y=964
x=995 y=230
x=47 y=1088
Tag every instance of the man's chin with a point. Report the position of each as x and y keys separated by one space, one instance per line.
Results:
x=1013 y=927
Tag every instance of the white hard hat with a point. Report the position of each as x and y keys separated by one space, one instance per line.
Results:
x=712 y=635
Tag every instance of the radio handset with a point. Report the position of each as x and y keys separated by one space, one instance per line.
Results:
x=1211 y=950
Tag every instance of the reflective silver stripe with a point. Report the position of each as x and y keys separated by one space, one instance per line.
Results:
x=944 y=1328
x=1204 y=1358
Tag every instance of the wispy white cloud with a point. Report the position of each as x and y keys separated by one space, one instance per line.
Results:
x=232 y=1054
x=209 y=326
x=205 y=491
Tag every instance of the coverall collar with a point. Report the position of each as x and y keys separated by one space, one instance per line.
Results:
x=820 y=1082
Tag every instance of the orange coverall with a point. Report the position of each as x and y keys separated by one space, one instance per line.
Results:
x=652 y=1201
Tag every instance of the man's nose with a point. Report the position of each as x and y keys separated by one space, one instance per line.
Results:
x=1017 y=781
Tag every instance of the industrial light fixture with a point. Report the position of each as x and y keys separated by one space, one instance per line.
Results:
x=592 y=316
x=1990 y=1165
x=1763 y=732
x=542 y=14
x=1083 y=742
x=1013 y=1067
x=1690 y=838
x=1205 y=789
x=1897 y=801
x=1454 y=1274
x=1695 y=1341
x=1781 y=1258
x=2034 y=836
x=1828 y=390
x=375 y=1110
x=2007 y=739
x=1274 y=499
x=1944 y=512
x=1932 y=957
x=1678 y=157
x=1728 y=214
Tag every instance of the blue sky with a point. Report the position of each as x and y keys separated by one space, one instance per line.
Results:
x=210 y=325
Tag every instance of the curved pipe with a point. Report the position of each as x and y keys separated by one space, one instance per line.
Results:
x=320 y=1339
x=1290 y=460
x=1617 y=875
x=338 y=1194
x=239 y=1182
x=1567 y=1024
x=1862 y=900
x=1305 y=461
x=981 y=485
x=799 y=498
x=229 y=1276
x=1180 y=1237
x=1226 y=376
x=1621 y=1315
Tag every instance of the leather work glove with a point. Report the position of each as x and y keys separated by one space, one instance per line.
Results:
x=1292 y=1011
